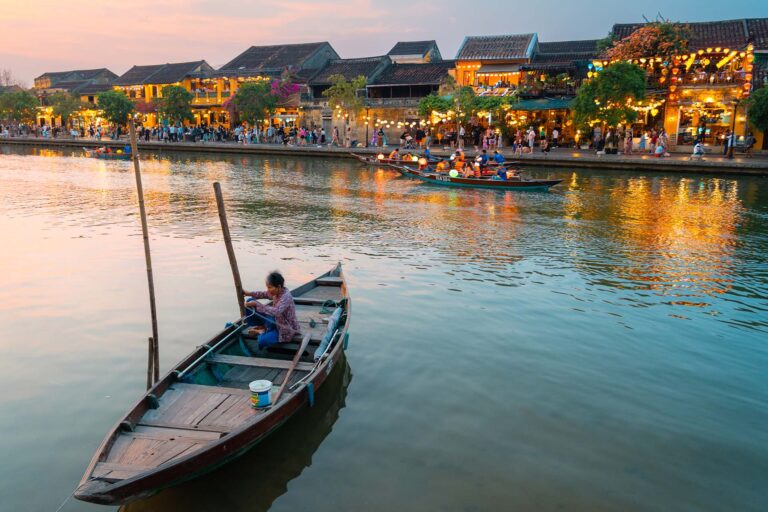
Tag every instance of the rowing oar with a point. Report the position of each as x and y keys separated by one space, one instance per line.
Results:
x=295 y=361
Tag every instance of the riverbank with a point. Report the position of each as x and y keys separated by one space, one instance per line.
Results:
x=713 y=163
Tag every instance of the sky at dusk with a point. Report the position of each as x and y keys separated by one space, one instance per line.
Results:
x=57 y=35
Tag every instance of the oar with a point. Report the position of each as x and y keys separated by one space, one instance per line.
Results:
x=295 y=361
x=230 y=249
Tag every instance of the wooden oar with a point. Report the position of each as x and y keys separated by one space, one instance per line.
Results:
x=295 y=361
x=230 y=249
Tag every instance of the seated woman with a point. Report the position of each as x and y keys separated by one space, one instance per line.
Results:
x=276 y=323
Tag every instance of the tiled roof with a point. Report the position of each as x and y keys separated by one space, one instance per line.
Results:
x=259 y=58
x=710 y=34
x=584 y=46
x=431 y=73
x=508 y=47
x=76 y=74
x=162 y=73
x=412 y=48
x=93 y=88
x=350 y=69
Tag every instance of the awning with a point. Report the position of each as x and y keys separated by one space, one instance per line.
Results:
x=543 y=104
x=497 y=69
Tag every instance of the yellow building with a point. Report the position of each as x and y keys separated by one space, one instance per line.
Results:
x=144 y=85
x=484 y=62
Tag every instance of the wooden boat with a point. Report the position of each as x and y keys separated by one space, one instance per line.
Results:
x=443 y=179
x=92 y=153
x=374 y=160
x=199 y=415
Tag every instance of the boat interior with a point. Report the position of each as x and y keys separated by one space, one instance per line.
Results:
x=211 y=397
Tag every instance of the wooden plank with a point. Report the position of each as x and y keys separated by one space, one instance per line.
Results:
x=171 y=433
x=324 y=293
x=114 y=472
x=211 y=389
x=220 y=429
x=260 y=362
x=329 y=281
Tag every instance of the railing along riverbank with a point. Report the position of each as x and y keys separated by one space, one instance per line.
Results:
x=712 y=163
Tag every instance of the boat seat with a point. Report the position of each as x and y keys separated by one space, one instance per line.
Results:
x=260 y=362
x=329 y=281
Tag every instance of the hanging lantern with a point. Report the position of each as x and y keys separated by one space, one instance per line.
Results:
x=675 y=71
x=672 y=88
x=662 y=80
x=654 y=112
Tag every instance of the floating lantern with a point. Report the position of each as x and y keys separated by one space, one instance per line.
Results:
x=380 y=156
x=423 y=162
x=414 y=158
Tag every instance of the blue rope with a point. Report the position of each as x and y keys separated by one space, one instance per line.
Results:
x=311 y=394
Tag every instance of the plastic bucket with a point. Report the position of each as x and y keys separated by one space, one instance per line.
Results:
x=260 y=393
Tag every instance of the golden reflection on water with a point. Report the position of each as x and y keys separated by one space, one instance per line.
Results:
x=676 y=236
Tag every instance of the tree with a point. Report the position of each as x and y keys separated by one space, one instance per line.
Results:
x=434 y=103
x=176 y=104
x=343 y=94
x=757 y=109
x=116 y=106
x=656 y=39
x=64 y=105
x=254 y=101
x=286 y=89
x=608 y=97
x=18 y=106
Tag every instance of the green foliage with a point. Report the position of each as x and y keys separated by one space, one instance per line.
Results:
x=254 y=101
x=343 y=93
x=606 y=42
x=116 y=106
x=434 y=103
x=175 y=104
x=757 y=109
x=608 y=97
x=18 y=106
x=64 y=105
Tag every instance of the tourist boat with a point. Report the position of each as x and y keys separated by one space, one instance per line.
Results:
x=382 y=160
x=484 y=182
x=93 y=153
x=201 y=415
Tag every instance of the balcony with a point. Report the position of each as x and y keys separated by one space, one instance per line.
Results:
x=206 y=98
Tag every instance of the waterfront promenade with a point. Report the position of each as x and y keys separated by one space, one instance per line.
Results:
x=713 y=162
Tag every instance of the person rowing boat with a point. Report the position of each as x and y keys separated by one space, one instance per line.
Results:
x=275 y=323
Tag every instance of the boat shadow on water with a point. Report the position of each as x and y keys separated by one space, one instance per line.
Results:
x=255 y=480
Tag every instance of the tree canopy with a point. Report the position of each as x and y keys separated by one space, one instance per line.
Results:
x=656 y=39
x=64 y=105
x=757 y=110
x=18 y=106
x=175 y=105
x=343 y=93
x=434 y=103
x=116 y=106
x=254 y=101
x=608 y=97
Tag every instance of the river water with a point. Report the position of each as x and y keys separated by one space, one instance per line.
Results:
x=603 y=346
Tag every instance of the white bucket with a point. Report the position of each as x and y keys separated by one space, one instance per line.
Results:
x=260 y=393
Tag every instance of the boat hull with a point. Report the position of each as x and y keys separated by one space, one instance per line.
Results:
x=234 y=442
x=448 y=181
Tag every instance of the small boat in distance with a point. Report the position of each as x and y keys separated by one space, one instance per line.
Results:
x=107 y=155
x=447 y=180
x=383 y=160
x=200 y=415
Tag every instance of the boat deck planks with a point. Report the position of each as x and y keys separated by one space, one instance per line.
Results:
x=200 y=415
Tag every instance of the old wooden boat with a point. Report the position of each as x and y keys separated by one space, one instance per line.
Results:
x=437 y=178
x=375 y=160
x=93 y=153
x=200 y=415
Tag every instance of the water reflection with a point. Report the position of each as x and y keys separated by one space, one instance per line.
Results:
x=255 y=480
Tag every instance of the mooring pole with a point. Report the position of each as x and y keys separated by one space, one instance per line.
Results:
x=155 y=355
x=230 y=250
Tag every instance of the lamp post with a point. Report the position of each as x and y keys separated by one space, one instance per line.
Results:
x=367 y=121
x=732 y=141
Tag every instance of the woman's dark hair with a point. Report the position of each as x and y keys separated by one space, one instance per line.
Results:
x=275 y=279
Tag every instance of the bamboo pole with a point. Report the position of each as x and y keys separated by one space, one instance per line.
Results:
x=230 y=250
x=150 y=361
x=147 y=256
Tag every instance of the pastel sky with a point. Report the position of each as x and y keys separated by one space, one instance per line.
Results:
x=56 y=35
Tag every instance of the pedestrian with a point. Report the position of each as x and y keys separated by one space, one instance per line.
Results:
x=555 y=136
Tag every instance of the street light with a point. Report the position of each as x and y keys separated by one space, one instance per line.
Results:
x=732 y=141
x=367 y=121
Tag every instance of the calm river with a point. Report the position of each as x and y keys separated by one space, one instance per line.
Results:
x=601 y=347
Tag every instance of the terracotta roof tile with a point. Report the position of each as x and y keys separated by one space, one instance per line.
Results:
x=162 y=73
x=712 y=34
x=431 y=73
x=509 y=47
x=412 y=47
x=275 y=57
x=350 y=69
